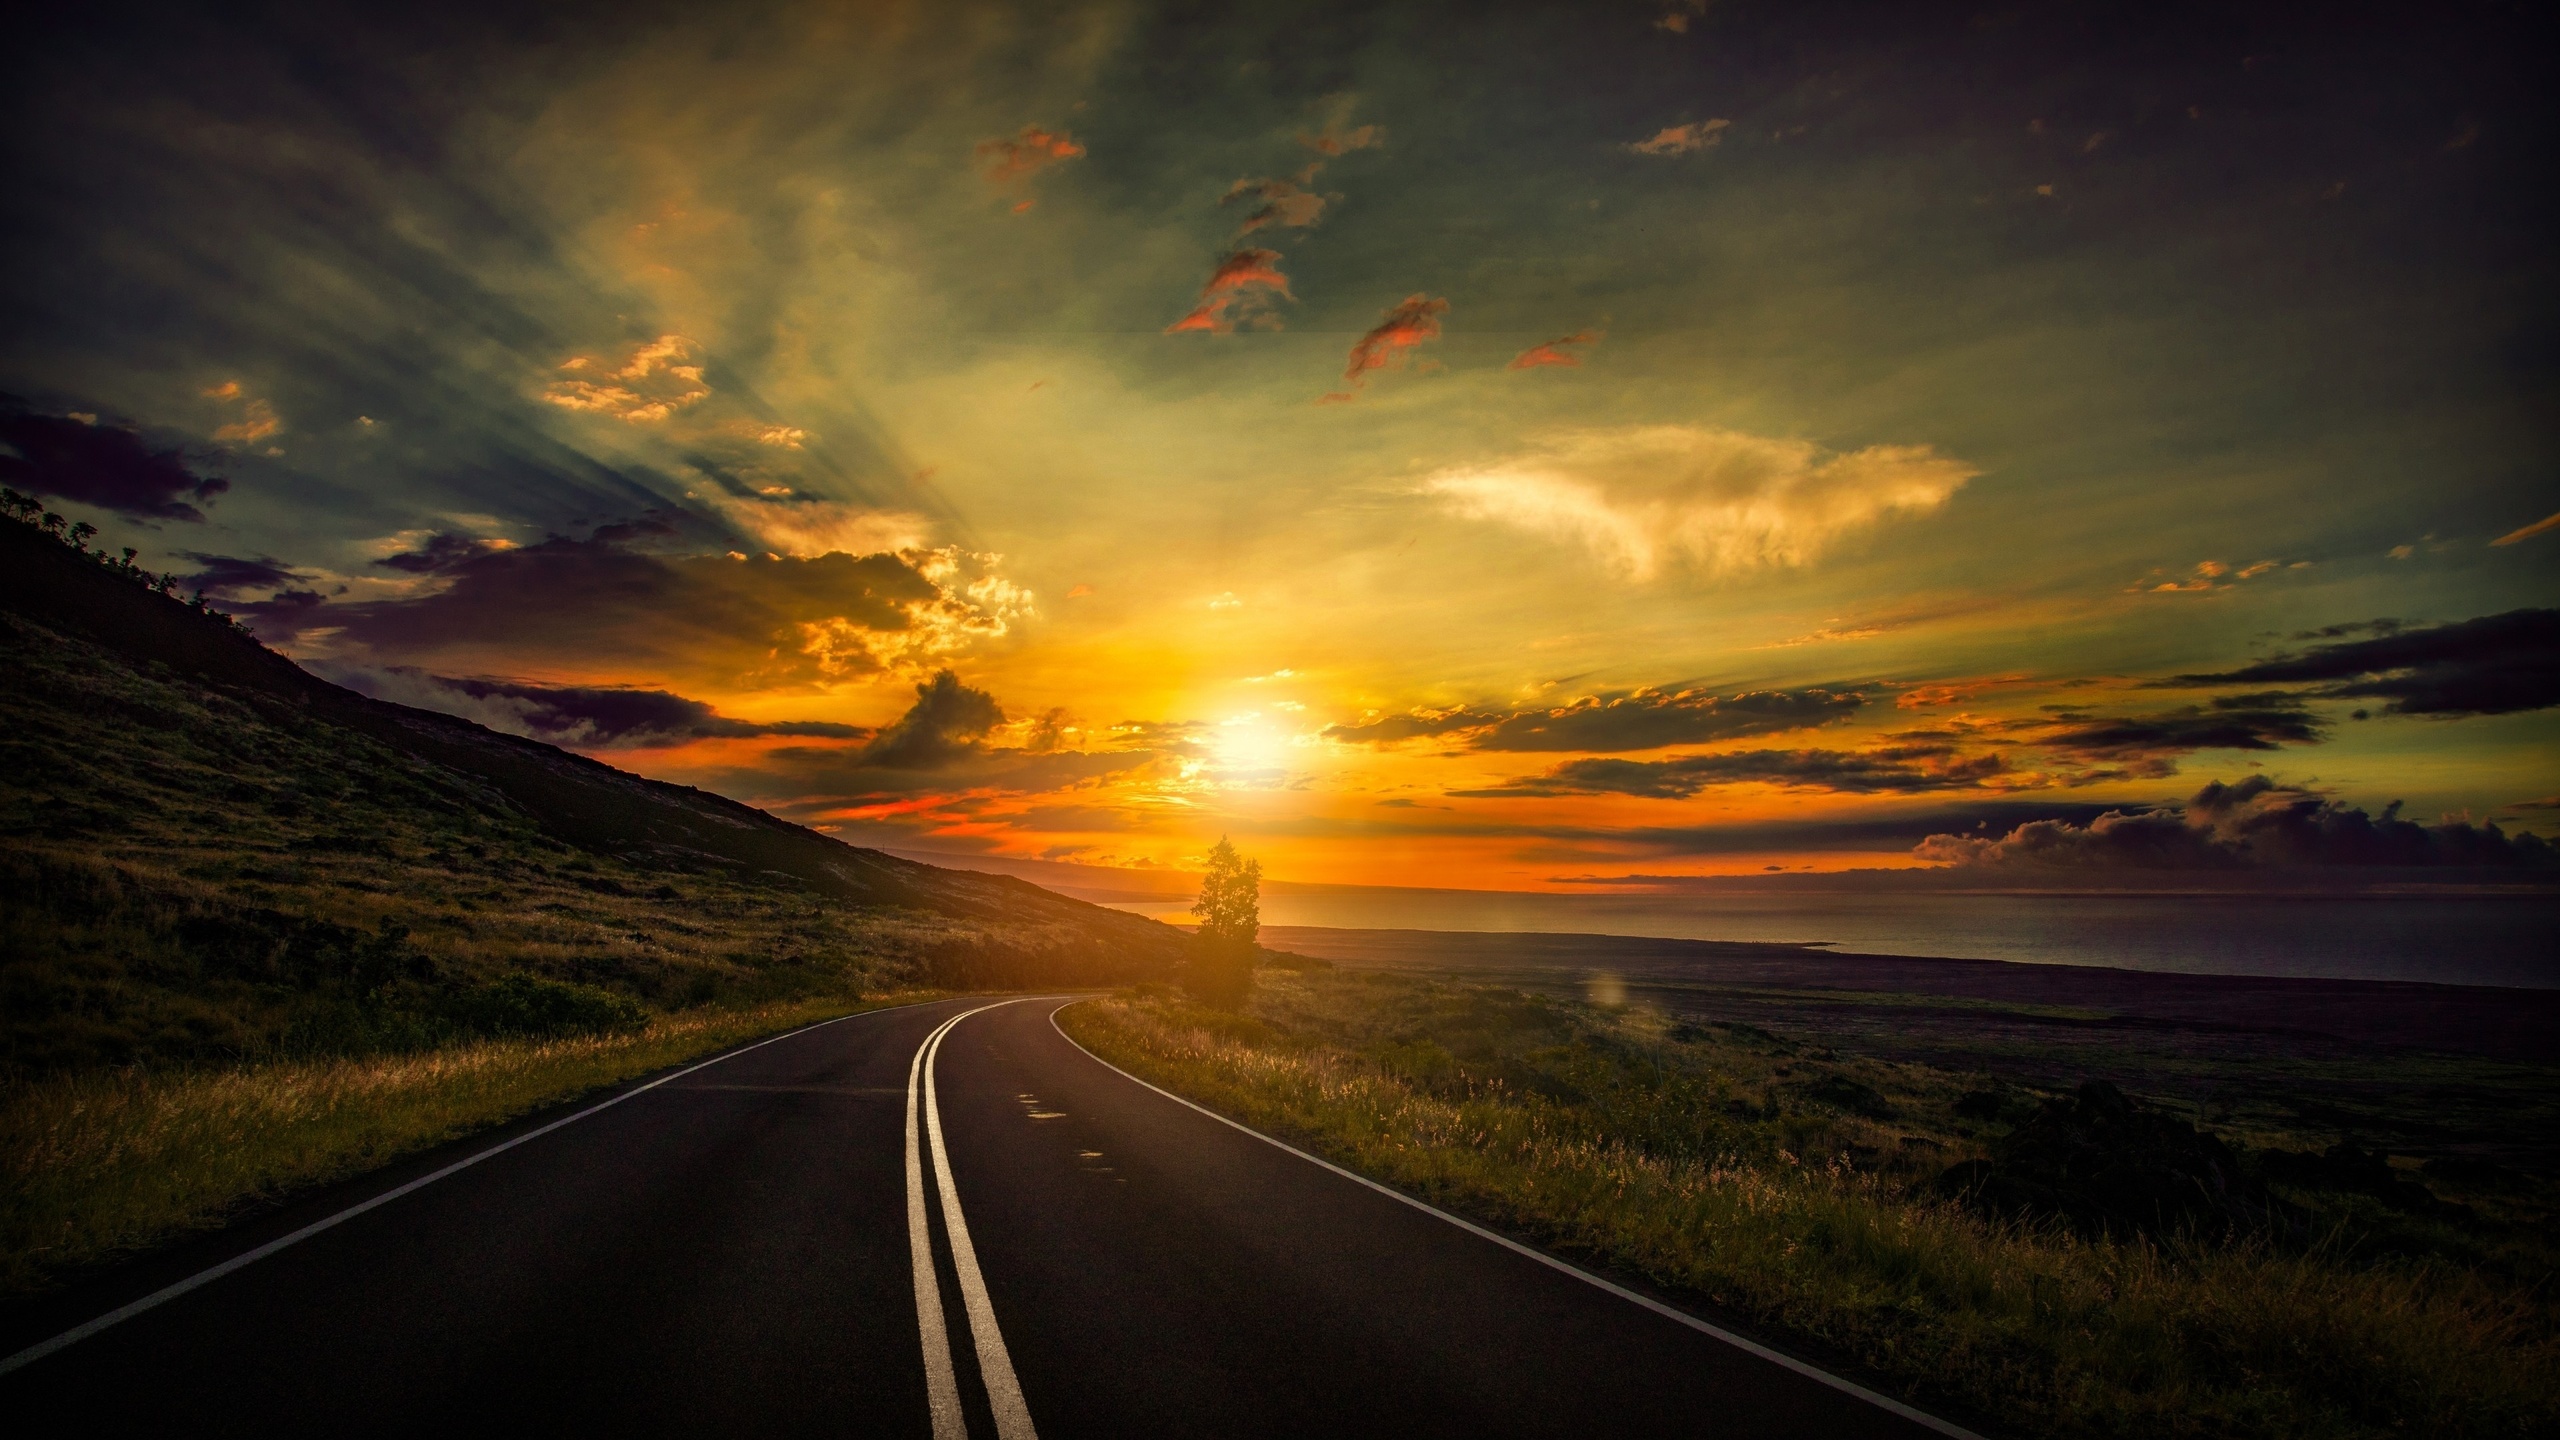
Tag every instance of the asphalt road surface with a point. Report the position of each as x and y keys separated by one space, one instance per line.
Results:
x=946 y=1221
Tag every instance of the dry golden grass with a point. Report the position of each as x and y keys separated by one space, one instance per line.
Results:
x=103 y=1163
x=2046 y=1332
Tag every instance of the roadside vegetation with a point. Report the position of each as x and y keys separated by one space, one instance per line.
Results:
x=101 y=1163
x=194 y=874
x=257 y=934
x=2062 y=1261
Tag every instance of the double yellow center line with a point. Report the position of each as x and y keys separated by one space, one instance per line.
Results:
x=995 y=1366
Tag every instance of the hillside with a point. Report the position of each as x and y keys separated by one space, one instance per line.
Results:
x=207 y=852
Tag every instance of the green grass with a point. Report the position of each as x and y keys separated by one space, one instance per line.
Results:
x=103 y=1163
x=1708 y=1160
x=196 y=874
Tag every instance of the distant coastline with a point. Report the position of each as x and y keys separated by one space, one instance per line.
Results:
x=2441 y=926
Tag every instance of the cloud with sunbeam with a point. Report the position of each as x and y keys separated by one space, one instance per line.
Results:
x=1645 y=498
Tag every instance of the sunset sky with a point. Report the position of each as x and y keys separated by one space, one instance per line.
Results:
x=1434 y=445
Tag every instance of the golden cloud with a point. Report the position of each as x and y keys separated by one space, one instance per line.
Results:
x=661 y=378
x=807 y=528
x=1645 y=496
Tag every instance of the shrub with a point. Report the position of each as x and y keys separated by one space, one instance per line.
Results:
x=523 y=1005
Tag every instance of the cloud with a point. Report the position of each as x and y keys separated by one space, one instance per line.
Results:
x=1678 y=17
x=225 y=575
x=1643 y=496
x=580 y=717
x=257 y=420
x=1630 y=720
x=598 y=602
x=1415 y=725
x=1241 y=289
x=1275 y=204
x=807 y=527
x=1407 y=323
x=946 y=722
x=937 y=751
x=1339 y=137
x=935 y=766
x=1682 y=139
x=440 y=552
x=2149 y=743
x=659 y=379
x=1558 y=351
x=2527 y=532
x=2256 y=822
x=2492 y=665
x=1892 y=768
x=1026 y=154
x=102 y=465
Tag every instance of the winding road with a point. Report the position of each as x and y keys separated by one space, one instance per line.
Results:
x=944 y=1220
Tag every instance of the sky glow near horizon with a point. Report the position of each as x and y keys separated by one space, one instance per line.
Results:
x=1432 y=445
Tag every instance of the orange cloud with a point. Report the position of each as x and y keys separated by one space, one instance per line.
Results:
x=2527 y=532
x=257 y=418
x=1240 y=289
x=1026 y=154
x=1677 y=18
x=1336 y=140
x=1414 y=320
x=1554 y=352
x=1682 y=139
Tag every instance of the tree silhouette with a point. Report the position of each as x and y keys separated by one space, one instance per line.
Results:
x=1230 y=913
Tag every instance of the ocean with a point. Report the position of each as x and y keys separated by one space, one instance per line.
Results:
x=2508 y=940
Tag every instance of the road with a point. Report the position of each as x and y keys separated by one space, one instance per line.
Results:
x=737 y=1250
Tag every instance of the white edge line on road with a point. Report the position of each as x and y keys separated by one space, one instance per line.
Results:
x=167 y=1293
x=995 y=1363
x=1847 y=1387
x=941 y=1385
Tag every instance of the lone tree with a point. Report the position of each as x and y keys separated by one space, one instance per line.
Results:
x=1230 y=912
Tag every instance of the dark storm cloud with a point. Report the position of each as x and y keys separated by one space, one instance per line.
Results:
x=2233 y=722
x=1649 y=720
x=586 y=717
x=946 y=722
x=2254 y=823
x=87 y=463
x=2493 y=665
x=231 y=574
x=282 y=615
x=938 y=748
x=1892 y=768
x=1628 y=720
x=598 y=602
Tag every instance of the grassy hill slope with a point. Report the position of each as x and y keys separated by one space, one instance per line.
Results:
x=207 y=853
